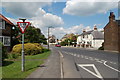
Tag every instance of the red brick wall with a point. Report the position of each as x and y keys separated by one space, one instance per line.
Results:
x=111 y=36
x=119 y=38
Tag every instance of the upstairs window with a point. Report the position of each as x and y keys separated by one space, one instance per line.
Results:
x=83 y=36
x=2 y=24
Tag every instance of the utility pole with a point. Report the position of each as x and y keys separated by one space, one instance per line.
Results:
x=23 y=54
x=48 y=38
x=48 y=35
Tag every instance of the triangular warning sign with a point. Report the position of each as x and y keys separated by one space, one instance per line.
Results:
x=96 y=73
x=23 y=26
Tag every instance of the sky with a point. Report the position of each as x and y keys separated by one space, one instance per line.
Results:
x=71 y=16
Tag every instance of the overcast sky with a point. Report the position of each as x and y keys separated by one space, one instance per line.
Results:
x=71 y=16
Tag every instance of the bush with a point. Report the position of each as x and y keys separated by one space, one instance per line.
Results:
x=3 y=51
x=12 y=56
x=45 y=50
x=102 y=47
x=29 y=48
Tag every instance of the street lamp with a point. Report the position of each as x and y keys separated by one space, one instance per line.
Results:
x=48 y=35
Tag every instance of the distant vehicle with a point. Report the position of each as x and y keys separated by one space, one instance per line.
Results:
x=57 y=45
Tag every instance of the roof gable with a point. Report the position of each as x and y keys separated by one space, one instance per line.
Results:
x=5 y=19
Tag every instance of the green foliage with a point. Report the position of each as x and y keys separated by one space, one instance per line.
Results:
x=29 y=48
x=69 y=41
x=102 y=47
x=12 y=70
x=45 y=50
x=15 y=36
x=12 y=56
x=32 y=35
x=3 y=51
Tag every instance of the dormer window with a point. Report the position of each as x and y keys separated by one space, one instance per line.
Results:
x=2 y=24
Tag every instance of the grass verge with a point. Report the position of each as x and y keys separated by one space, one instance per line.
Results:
x=12 y=69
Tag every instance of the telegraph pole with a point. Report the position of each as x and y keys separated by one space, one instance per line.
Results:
x=48 y=38
x=48 y=35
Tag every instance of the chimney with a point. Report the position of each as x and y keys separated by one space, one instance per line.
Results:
x=112 y=16
x=95 y=28
x=84 y=30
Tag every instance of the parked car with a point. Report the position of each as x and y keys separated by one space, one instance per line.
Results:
x=57 y=45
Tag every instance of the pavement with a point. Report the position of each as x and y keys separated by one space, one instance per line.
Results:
x=50 y=69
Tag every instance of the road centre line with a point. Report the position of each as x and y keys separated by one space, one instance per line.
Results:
x=86 y=57
x=110 y=67
x=74 y=54
x=113 y=62
x=89 y=58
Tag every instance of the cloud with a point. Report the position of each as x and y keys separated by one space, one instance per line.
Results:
x=78 y=8
x=24 y=9
x=59 y=32
x=43 y=20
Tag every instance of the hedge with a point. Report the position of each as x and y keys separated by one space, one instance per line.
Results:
x=29 y=48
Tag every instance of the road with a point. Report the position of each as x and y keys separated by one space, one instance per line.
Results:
x=88 y=64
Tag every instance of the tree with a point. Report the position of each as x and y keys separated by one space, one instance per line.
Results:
x=32 y=35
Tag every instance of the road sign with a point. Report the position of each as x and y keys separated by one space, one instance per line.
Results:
x=23 y=26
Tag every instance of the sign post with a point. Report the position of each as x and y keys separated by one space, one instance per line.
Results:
x=23 y=25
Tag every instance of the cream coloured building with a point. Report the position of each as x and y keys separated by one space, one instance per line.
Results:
x=93 y=39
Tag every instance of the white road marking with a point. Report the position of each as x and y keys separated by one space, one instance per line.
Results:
x=90 y=58
x=113 y=63
x=103 y=60
x=82 y=56
x=61 y=61
x=110 y=67
x=78 y=55
x=74 y=54
x=97 y=74
x=86 y=57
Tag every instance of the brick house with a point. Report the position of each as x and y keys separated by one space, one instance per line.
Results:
x=112 y=34
x=5 y=32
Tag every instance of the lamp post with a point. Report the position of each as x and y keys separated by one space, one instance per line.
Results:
x=23 y=55
x=48 y=35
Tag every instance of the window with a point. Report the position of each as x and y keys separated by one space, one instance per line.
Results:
x=2 y=24
x=83 y=36
x=6 y=41
x=87 y=36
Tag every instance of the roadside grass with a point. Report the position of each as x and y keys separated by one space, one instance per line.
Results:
x=12 y=69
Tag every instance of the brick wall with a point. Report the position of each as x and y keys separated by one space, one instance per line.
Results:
x=111 y=35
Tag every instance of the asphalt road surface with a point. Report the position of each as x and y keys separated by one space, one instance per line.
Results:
x=88 y=64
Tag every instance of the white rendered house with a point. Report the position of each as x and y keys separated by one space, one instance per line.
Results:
x=93 y=38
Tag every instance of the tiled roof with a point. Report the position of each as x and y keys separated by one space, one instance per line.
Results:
x=88 y=32
x=4 y=18
x=97 y=35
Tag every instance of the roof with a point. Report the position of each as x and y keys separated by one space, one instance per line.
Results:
x=4 y=18
x=88 y=32
x=97 y=35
